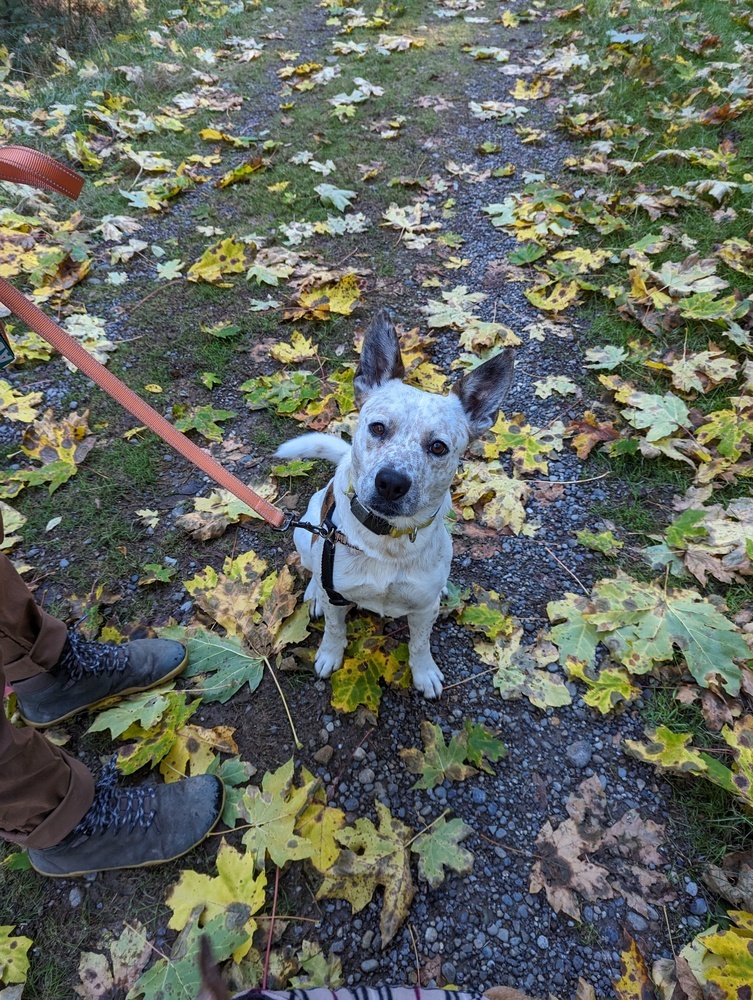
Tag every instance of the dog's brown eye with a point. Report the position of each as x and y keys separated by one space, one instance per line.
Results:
x=377 y=429
x=438 y=448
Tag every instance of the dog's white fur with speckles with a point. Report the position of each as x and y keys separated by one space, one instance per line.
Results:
x=404 y=456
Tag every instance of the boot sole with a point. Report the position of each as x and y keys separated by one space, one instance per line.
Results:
x=144 y=864
x=110 y=697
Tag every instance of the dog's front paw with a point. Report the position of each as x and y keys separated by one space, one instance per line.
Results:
x=329 y=658
x=427 y=677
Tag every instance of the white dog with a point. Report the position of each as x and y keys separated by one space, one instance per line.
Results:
x=388 y=549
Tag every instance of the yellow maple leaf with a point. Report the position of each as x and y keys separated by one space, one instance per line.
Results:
x=300 y=348
x=236 y=883
x=537 y=89
x=242 y=173
x=319 y=823
x=10 y=521
x=194 y=750
x=557 y=298
x=337 y=296
x=227 y=257
x=15 y=406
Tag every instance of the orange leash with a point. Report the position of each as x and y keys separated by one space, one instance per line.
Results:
x=27 y=166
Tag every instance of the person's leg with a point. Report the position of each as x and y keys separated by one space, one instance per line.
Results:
x=44 y=792
x=31 y=641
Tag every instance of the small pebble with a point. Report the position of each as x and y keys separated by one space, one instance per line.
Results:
x=579 y=753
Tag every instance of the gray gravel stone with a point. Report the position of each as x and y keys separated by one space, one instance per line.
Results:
x=579 y=753
x=636 y=921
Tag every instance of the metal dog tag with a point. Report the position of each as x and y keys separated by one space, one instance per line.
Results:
x=7 y=357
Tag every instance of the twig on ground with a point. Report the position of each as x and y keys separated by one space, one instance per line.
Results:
x=270 y=932
x=513 y=850
x=298 y=744
x=569 y=482
x=569 y=572
x=467 y=680
x=154 y=292
x=415 y=952
x=669 y=931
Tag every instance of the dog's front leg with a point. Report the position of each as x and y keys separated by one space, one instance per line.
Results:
x=427 y=677
x=332 y=647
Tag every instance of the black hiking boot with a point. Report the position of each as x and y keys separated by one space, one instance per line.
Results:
x=135 y=827
x=89 y=673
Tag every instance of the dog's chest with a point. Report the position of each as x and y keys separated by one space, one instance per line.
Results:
x=393 y=587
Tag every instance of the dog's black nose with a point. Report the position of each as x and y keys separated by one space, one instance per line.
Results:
x=391 y=484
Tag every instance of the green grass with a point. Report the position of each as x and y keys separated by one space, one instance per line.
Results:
x=710 y=822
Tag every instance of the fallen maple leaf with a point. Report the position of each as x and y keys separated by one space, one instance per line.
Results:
x=373 y=857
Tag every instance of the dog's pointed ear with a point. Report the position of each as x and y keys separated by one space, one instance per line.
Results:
x=380 y=357
x=483 y=391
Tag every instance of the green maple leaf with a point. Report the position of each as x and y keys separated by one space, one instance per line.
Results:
x=611 y=687
x=526 y=254
x=643 y=623
x=480 y=744
x=574 y=635
x=454 y=310
x=373 y=857
x=151 y=745
x=157 y=573
x=687 y=527
x=603 y=541
x=339 y=198
x=705 y=306
x=522 y=671
x=439 y=848
x=145 y=709
x=607 y=358
x=233 y=773
x=297 y=467
x=439 y=760
x=283 y=392
x=317 y=970
x=221 y=664
x=204 y=420
x=488 y=616
x=691 y=275
x=271 y=813
x=661 y=415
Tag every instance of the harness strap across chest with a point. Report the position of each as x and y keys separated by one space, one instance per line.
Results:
x=332 y=537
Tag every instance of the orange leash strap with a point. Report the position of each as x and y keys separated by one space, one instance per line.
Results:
x=27 y=166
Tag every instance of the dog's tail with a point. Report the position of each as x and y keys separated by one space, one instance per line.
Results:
x=325 y=446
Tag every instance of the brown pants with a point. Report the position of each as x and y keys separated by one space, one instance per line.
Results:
x=44 y=791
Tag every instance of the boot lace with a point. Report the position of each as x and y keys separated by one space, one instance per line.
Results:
x=81 y=658
x=115 y=807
